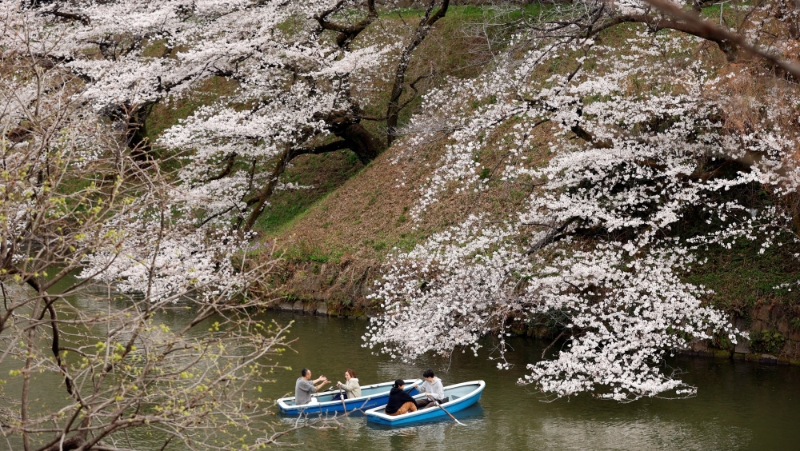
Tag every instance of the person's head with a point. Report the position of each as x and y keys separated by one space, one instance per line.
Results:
x=428 y=375
x=348 y=374
x=399 y=383
x=306 y=373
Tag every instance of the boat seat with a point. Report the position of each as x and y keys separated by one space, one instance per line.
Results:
x=454 y=397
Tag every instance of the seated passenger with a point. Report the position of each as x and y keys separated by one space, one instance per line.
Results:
x=350 y=387
x=433 y=389
x=400 y=402
x=304 y=387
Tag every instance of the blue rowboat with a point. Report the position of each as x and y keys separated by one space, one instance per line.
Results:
x=371 y=396
x=461 y=396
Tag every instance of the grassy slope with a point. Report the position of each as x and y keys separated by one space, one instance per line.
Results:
x=367 y=216
x=446 y=51
x=340 y=230
x=364 y=212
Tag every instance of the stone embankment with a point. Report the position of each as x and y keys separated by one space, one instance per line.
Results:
x=324 y=288
x=774 y=331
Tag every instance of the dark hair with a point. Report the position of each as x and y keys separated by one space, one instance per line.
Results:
x=304 y=371
x=399 y=383
x=350 y=372
x=428 y=373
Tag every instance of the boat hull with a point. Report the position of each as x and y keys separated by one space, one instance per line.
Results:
x=466 y=394
x=372 y=396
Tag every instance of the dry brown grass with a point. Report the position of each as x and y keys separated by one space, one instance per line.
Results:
x=357 y=225
x=369 y=214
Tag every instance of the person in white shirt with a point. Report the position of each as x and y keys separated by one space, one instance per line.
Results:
x=433 y=389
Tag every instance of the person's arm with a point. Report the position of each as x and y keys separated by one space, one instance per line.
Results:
x=324 y=381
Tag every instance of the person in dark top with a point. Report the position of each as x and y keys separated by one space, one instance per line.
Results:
x=400 y=402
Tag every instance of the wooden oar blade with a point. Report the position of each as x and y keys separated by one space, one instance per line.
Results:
x=449 y=414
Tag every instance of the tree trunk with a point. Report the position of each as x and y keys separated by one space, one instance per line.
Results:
x=394 y=108
x=261 y=199
x=361 y=142
x=136 y=135
x=346 y=124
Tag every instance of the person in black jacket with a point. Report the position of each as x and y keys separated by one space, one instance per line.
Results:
x=400 y=402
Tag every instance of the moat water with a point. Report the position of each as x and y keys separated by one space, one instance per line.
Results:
x=739 y=405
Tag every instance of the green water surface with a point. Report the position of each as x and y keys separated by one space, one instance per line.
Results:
x=739 y=406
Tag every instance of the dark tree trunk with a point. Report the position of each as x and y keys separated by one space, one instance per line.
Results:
x=136 y=135
x=346 y=124
x=361 y=142
x=424 y=27
x=260 y=200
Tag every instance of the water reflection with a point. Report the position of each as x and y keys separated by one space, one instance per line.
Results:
x=740 y=406
x=568 y=434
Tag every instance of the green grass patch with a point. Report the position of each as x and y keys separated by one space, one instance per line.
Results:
x=167 y=114
x=724 y=14
x=322 y=173
x=302 y=252
x=742 y=277
x=767 y=341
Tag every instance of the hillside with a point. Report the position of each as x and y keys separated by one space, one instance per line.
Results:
x=336 y=235
x=619 y=178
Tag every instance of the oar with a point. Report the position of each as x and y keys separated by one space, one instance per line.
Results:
x=341 y=396
x=448 y=413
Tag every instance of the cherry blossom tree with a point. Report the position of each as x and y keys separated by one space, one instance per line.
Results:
x=102 y=241
x=645 y=142
x=98 y=250
x=301 y=69
x=644 y=138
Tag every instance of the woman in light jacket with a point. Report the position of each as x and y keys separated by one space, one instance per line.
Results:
x=350 y=387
